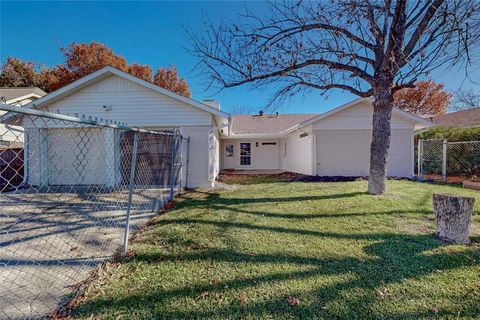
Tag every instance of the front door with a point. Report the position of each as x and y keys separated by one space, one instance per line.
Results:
x=228 y=158
x=245 y=154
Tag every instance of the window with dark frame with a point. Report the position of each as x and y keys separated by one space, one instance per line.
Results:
x=245 y=154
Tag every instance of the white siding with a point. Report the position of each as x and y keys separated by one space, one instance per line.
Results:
x=10 y=133
x=299 y=153
x=263 y=156
x=357 y=117
x=198 y=167
x=131 y=103
x=347 y=152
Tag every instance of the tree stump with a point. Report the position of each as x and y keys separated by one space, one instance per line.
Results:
x=453 y=215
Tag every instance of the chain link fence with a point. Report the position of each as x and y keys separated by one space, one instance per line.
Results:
x=72 y=190
x=441 y=160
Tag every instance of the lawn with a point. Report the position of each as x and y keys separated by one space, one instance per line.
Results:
x=273 y=249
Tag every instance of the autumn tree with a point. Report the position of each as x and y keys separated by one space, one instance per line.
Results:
x=425 y=98
x=143 y=72
x=366 y=47
x=168 y=79
x=18 y=73
x=82 y=59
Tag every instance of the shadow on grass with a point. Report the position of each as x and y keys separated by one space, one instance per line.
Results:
x=393 y=258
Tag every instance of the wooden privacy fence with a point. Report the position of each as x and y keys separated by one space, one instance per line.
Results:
x=11 y=167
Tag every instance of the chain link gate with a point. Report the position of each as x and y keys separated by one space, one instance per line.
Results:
x=71 y=192
x=441 y=160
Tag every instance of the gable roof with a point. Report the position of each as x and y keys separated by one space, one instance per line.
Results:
x=403 y=114
x=107 y=72
x=13 y=94
x=463 y=118
x=271 y=124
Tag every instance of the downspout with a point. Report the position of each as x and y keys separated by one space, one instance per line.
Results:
x=210 y=133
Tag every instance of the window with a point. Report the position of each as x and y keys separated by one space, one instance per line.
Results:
x=303 y=135
x=229 y=150
x=284 y=149
x=269 y=143
x=245 y=154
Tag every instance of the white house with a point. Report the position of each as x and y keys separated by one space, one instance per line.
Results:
x=13 y=135
x=114 y=95
x=334 y=143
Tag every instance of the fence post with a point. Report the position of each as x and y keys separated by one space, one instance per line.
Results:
x=133 y=167
x=172 y=164
x=188 y=160
x=420 y=159
x=444 y=160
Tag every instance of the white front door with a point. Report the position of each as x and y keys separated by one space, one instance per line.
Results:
x=229 y=156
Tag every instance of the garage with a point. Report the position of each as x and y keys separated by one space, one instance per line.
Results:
x=343 y=152
x=76 y=155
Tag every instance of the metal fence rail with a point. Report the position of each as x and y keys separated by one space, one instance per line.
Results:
x=442 y=160
x=70 y=198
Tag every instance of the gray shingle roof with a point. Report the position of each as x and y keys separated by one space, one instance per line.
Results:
x=12 y=93
x=253 y=124
x=464 y=118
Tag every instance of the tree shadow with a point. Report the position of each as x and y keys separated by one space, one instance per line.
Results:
x=392 y=258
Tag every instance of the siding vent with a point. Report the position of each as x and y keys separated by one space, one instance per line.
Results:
x=303 y=135
x=269 y=143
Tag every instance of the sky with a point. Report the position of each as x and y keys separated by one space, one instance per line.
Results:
x=151 y=33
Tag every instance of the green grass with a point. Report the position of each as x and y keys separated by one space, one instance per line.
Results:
x=342 y=253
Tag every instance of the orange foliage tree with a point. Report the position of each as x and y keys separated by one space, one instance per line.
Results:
x=82 y=59
x=168 y=79
x=426 y=98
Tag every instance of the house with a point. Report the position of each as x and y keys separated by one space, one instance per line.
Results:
x=112 y=94
x=13 y=136
x=335 y=143
x=468 y=118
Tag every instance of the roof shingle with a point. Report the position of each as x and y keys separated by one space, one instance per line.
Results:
x=464 y=118
x=254 y=124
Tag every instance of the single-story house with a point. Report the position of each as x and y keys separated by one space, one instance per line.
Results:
x=335 y=143
x=13 y=135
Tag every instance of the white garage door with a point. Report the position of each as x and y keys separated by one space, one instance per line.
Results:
x=347 y=152
x=76 y=156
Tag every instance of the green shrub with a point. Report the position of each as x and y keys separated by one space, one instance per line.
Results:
x=452 y=134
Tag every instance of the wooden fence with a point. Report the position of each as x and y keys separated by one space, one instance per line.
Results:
x=11 y=168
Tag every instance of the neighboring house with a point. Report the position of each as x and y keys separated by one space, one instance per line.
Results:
x=465 y=118
x=19 y=97
x=334 y=143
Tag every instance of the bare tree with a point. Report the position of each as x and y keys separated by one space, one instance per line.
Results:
x=367 y=47
x=465 y=99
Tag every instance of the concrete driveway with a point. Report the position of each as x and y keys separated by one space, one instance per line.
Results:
x=49 y=242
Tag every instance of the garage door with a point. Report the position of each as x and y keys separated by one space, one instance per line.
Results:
x=76 y=156
x=347 y=152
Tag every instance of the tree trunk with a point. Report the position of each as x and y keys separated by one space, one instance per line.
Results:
x=453 y=215
x=382 y=116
